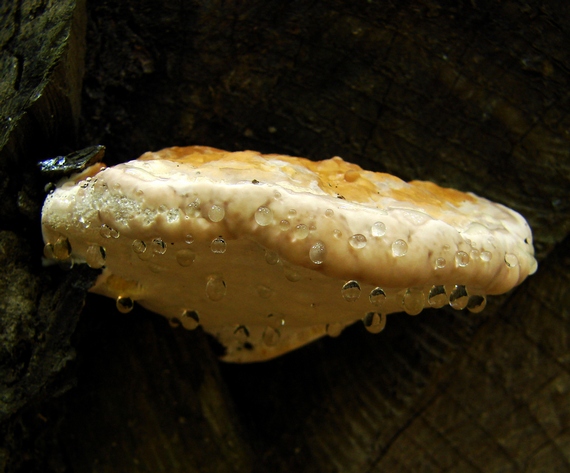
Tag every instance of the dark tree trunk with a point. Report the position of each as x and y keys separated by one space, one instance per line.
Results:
x=471 y=95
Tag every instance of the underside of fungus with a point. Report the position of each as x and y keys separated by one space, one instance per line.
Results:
x=269 y=252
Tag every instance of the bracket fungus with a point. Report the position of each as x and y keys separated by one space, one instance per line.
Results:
x=269 y=252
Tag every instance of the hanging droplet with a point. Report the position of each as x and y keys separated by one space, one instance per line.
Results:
x=357 y=241
x=62 y=248
x=399 y=248
x=95 y=256
x=190 y=319
x=377 y=297
x=458 y=297
x=318 y=252
x=263 y=216
x=215 y=287
x=374 y=322
x=350 y=291
x=334 y=329
x=461 y=259
x=124 y=304
x=437 y=297
x=413 y=301
x=271 y=336
x=476 y=303
x=216 y=213
x=301 y=231
x=185 y=257
x=218 y=245
x=158 y=246
x=378 y=229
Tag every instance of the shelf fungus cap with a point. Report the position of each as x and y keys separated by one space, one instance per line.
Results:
x=267 y=253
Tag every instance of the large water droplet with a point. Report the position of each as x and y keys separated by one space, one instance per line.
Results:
x=124 y=304
x=62 y=248
x=377 y=297
x=301 y=231
x=378 y=229
x=399 y=248
x=263 y=216
x=357 y=241
x=318 y=252
x=350 y=291
x=215 y=287
x=437 y=297
x=158 y=246
x=476 y=303
x=334 y=329
x=374 y=322
x=461 y=259
x=218 y=245
x=413 y=301
x=95 y=256
x=185 y=257
x=271 y=336
x=458 y=297
x=216 y=213
x=190 y=319
x=511 y=260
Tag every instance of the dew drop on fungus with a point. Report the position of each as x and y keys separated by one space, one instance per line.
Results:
x=216 y=213
x=378 y=229
x=271 y=257
x=357 y=241
x=486 y=256
x=48 y=251
x=292 y=213
x=440 y=263
x=158 y=246
x=301 y=231
x=189 y=239
x=190 y=319
x=291 y=274
x=337 y=234
x=413 y=301
x=476 y=303
x=174 y=322
x=215 y=287
x=350 y=291
x=329 y=213
x=377 y=297
x=461 y=259
x=284 y=225
x=334 y=329
x=437 y=297
x=218 y=245
x=95 y=256
x=275 y=321
x=399 y=248
x=318 y=252
x=271 y=336
x=458 y=297
x=511 y=260
x=264 y=292
x=193 y=209
x=124 y=304
x=374 y=322
x=107 y=232
x=185 y=257
x=139 y=246
x=263 y=216
x=61 y=248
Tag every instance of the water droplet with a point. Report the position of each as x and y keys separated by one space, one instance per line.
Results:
x=511 y=260
x=193 y=209
x=158 y=246
x=95 y=256
x=190 y=319
x=378 y=229
x=437 y=297
x=215 y=287
x=440 y=263
x=476 y=303
x=301 y=231
x=413 y=301
x=48 y=251
x=241 y=333
x=350 y=291
x=271 y=257
x=107 y=232
x=172 y=215
x=334 y=329
x=275 y=321
x=374 y=322
x=377 y=297
x=337 y=234
x=185 y=257
x=357 y=241
x=292 y=213
x=277 y=195
x=458 y=297
x=461 y=259
x=189 y=239
x=263 y=216
x=291 y=274
x=62 y=248
x=174 y=322
x=264 y=292
x=216 y=213
x=318 y=252
x=399 y=248
x=218 y=245
x=124 y=304
x=284 y=225
x=139 y=246
x=271 y=336
x=474 y=254
x=486 y=256
x=329 y=213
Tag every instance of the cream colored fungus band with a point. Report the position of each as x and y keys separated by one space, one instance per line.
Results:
x=269 y=252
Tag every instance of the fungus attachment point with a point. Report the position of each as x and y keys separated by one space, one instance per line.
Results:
x=317 y=245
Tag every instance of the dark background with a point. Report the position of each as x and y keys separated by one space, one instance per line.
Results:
x=472 y=95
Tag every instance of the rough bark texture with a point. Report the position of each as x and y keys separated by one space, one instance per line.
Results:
x=471 y=95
